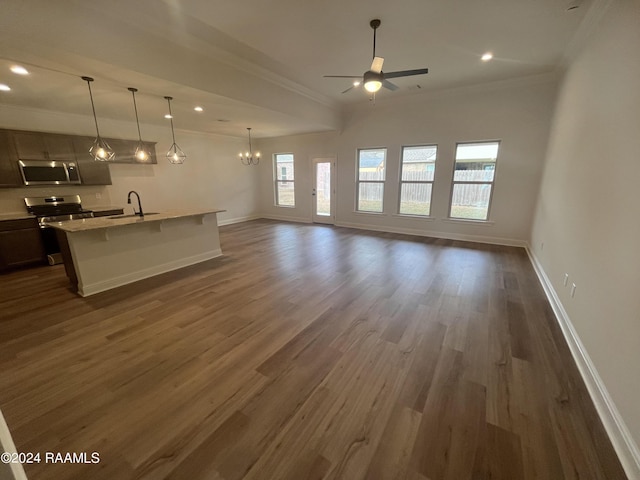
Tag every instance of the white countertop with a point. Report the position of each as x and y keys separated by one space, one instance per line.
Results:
x=27 y=215
x=85 y=224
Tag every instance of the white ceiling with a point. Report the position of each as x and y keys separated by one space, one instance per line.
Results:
x=260 y=63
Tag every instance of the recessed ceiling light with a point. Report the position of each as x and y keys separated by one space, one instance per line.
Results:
x=4 y=88
x=198 y=109
x=167 y=116
x=487 y=56
x=19 y=70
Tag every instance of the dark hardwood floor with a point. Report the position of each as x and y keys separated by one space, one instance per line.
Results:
x=306 y=352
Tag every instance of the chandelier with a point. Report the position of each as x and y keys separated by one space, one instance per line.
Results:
x=249 y=158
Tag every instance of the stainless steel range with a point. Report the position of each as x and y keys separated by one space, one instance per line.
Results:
x=55 y=209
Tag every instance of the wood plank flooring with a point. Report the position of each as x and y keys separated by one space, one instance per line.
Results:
x=306 y=352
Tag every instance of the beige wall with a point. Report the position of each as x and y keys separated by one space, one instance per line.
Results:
x=588 y=213
x=515 y=112
x=211 y=176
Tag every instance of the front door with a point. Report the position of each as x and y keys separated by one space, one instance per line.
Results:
x=323 y=198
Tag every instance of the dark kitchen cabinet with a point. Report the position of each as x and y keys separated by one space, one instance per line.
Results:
x=26 y=145
x=125 y=151
x=91 y=172
x=108 y=213
x=44 y=146
x=20 y=243
x=9 y=173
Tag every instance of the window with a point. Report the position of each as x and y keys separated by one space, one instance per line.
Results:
x=284 y=181
x=473 y=180
x=371 y=174
x=416 y=179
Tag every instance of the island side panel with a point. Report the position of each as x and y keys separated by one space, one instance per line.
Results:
x=111 y=257
x=67 y=258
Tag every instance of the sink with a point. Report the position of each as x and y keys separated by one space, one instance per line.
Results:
x=115 y=217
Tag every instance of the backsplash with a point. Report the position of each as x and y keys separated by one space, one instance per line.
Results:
x=11 y=199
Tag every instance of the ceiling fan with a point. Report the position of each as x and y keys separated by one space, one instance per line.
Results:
x=374 y=78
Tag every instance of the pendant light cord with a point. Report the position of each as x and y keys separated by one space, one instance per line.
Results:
x=135 y=108
x=250 y=150
x=95 y=118
x=173 y=135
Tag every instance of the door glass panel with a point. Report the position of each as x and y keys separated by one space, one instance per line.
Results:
x=323 y=188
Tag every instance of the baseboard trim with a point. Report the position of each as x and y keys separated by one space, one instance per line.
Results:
x=231 y=221
x=619 y=434
x=92 y=289
x=285 y=218
x=428 y=233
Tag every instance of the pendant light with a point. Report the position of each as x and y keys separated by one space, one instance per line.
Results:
x=142 y=152
x=249 y=158
x=175 y=153
x=100 y=150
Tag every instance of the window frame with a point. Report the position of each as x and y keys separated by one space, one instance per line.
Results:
x=358 y=181
x=455 y=182
x=416 y=181
x=276 y=180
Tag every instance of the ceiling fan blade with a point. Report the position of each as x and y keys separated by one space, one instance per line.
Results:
x=342 y=76
x=390 y=86
x=376 y=65
x=348 y=89
x=406 y=73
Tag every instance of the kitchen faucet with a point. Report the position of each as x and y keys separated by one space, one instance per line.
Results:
x=141 y=213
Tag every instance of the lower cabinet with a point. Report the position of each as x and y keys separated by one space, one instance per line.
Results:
x=108 y=213
x=20 y=243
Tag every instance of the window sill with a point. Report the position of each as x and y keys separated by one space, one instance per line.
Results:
x=468 y=221
x=379 y=214
x=426 y=218
x=285 y=206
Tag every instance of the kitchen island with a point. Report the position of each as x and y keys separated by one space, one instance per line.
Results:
x=107 y=252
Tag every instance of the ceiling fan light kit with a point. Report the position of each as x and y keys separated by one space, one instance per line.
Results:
x=374 y=78
x=372 y=81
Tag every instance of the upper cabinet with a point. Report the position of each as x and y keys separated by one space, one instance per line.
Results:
x=24 y=145
x=44 y=146
x=52 y=146
x=9 y=173
x=125 y=151
x=91 y=172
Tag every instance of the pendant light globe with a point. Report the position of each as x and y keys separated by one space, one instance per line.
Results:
x=175 y=155
x=142 y=154
x=100 y=151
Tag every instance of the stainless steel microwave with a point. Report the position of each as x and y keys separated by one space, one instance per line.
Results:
x=41 y=172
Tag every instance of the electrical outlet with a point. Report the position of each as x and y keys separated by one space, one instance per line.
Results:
x=573 y=289
x=566 y=279
x=98 y=195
